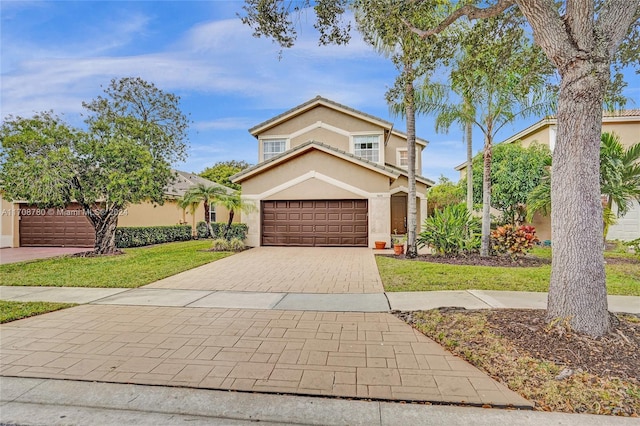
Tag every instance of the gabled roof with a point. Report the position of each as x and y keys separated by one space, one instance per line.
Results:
x=607 y=117
x=185 y=181
x=308 y=146
x=403 y=172
x=319 y=100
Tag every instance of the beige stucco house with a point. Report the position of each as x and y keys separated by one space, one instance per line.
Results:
x=626 y=124
x=329 y=175
x=25 y=225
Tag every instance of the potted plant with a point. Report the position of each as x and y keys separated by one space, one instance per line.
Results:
x=398 y=243
x=380 y=245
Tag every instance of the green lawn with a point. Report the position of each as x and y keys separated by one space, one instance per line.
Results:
x=11 y=311
x=410 y=275
x=137 y=267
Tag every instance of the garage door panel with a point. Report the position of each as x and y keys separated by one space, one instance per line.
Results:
x=55 y=227
x=315 y=223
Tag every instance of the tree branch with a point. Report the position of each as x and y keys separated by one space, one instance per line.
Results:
x=469 y=10
x=615 y=18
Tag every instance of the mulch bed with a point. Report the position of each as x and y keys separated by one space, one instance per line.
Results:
x=477 y=260
x=615 y=355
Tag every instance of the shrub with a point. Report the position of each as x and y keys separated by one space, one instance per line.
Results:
x=451 y=231
x=514 y=241
x=634 y=246
x=220 y=244
x=137 y=236
x=236 y=244
x=238 y=230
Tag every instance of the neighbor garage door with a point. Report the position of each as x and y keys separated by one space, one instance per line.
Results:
x=315 y=223
x=55 y=227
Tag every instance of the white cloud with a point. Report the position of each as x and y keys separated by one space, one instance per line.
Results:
x=227 y=123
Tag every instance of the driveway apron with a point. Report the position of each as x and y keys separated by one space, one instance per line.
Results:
x=346 y=354
x=285 y=270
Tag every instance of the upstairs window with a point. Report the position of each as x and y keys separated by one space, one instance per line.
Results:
x=367 y=147
x=273 y=147
x=403 y=158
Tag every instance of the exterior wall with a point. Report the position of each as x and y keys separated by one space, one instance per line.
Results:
x=148 y=214
x=334 y=128
x=320 y=162
x=628 y=227
x=8 y=223
x=323 y=135
x=318 y=175
x=394 y=144
x=326 y=115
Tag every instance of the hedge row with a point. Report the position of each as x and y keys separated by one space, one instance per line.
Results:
x=238 y=230
x=137 y=236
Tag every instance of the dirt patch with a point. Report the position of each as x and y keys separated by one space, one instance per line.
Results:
x=622 y=261
x=477 y=260
x=549 y=364
x=94 y=254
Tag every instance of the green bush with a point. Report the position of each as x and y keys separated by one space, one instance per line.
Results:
x=451 y=231
x=236 y=244
x=137 y=236
x=635 y=246
x=220 y=244
x=238 y=230
x=514 y=241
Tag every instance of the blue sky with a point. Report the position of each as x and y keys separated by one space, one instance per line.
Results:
x=56 y=54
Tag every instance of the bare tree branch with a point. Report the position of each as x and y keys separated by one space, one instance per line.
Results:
x=469 y=10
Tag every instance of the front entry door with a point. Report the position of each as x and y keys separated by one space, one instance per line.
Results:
x=399 y=214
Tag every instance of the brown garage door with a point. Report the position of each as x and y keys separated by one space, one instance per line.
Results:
x=66 y=227
x=315 y=223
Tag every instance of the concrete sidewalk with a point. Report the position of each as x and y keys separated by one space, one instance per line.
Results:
x=340 y=302
x=57 y=402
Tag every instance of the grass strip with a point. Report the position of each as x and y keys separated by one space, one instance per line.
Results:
x=134 y=268
x=12 y=311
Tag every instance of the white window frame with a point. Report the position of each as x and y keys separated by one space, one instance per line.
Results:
x=553 y=134
x=399 y=152
x=212 y=213
x=273 y=139
x=352 y=145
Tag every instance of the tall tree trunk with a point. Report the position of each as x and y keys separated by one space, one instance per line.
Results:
x=412 y=250
x=105 y=223
x=486 y=198
x=577 y=290
x=207 y=218
x=581 y=44
x=226 y=232
x=469 y=131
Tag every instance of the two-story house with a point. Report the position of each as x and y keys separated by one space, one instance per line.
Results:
x=329 y=175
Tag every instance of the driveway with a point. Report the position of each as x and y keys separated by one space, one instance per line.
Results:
x=21 y=254
x=310 y=352
x=285 y=270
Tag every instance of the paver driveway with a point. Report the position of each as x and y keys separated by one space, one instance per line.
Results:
x=350 y=354
x=285 y=270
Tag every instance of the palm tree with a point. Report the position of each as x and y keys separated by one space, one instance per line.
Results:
x=207 y=195
x=619 y=181
x=234 y=203
x=619 y=173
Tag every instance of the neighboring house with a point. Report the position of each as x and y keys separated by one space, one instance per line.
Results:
x=626 y=124
x=329 y=175
x=22 y=225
